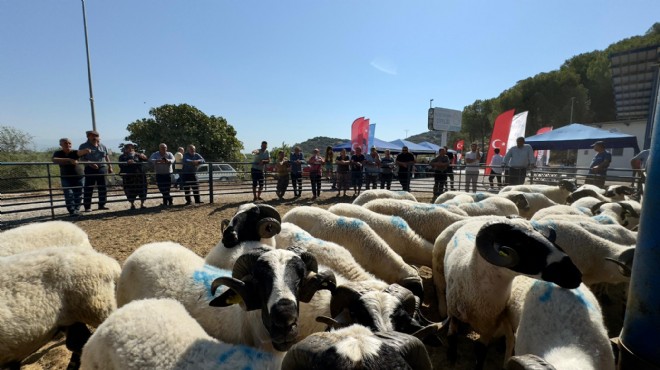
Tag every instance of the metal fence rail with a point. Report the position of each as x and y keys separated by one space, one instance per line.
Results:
x=32 y=191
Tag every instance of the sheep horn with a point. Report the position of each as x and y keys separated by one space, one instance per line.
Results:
x=239 y=291
x=434 y=328
x=268 y=227
x=527 y=362
x=628 y=209
x=269 y=211
x=332 y=323
x=314 y=282
x=244 y=263
x=491 y=249
x=624 y=261
x=342 y=298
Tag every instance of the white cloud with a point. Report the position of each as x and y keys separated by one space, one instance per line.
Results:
x=384 y=66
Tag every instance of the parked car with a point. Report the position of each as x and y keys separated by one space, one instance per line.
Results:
x=221 y=172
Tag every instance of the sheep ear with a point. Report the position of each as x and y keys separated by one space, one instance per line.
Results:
x=595 y=209
x=224 y=224
x=314 y=282
x=238 y=292
x=628 y=209
x=332 y=323
x=521 y=201
x=624 y=261
x=494 y=251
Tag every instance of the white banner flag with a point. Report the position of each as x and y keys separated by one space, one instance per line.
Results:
x=517 y=128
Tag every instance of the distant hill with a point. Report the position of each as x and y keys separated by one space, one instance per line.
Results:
x=320 y=142
x=430 y=136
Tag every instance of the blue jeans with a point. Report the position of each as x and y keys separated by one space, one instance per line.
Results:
x=296 y=183
x=95 y=177
x=73 y=188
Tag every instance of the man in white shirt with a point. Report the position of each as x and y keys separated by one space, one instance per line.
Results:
x=518 y=159
x=472 y=160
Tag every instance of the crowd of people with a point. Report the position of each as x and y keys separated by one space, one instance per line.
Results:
x=86 y=169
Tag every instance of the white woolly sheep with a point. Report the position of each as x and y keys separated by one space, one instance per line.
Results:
x=556 y=193
x=613 y=194
x=585 y=202
x=270 y=280
x=159 y=334
x=597 y=250
x=252 y=226
x=528 y=203
x=44 y=290
x=369 y=195
x=41 y=235
x=368 y=249
x=626 y=213
x=427 y=220
x=394 y=230
x=564 y=327
x=328 y=254
x=561 y=210
x=481 y=260
x=459 y=196
x=356 y=347
x=490 y=206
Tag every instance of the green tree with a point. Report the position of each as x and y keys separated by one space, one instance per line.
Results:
x=183 y=124
x=14 y=140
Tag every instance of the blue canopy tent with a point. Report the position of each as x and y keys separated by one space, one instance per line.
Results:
x=577 y=136
x=380 y=145
x=434 y=146
x=413 y=148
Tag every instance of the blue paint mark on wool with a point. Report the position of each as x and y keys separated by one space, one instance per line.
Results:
x=580 y=296
x=302 y=237
x=399 y=223
x=549 y=288
x=253 y=355
x=425 y=207
x=353 y=223
x=480 y=196
x=603 y=219
x=206 y=276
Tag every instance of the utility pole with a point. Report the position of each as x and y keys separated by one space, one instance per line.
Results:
x=406 y=134
x=431 y=104
x=572 y=101
x=89 y=68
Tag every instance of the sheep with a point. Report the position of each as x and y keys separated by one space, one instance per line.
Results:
x=427 y=220
x=369 y=195
x=556 y=193
x=564 y=327
x=328 y=254
x=560 y=210
x=528 y=203
x=160 y=334
x=369 y=249
x=490 y=206
x=614 y=193
x=359 y=297
x=481 y=260
x=40 y=235
x=448 y=196
x=266 y=279
x=44 y=290
x=356 y=347
x=625 y=213
x=584 y=202
x=601 y=254
x=394 y=230
x=619 y=192
x=253 y=226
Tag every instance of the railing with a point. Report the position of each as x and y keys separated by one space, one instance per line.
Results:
x=32 y=191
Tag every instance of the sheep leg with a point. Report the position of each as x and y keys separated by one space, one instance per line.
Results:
x=452 y=341
x=480 y=350
x=76 y=337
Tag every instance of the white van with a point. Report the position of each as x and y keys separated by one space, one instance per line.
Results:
x=221 y=172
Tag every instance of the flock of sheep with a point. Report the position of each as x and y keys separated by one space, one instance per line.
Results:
x=333 y=289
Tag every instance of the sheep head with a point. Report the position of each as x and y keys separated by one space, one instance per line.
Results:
x=252 y=222
x=526 y=251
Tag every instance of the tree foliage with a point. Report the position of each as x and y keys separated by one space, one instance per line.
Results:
x=183 y=124
x=13 y=140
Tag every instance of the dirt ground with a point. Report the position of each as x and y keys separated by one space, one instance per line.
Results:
x=120 y=231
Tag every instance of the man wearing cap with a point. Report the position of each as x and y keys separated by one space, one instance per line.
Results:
x=517 y=160
x=71 y=175
x=96 y=169
x=598 y=166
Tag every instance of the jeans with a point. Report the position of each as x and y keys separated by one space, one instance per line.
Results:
x=371 y=179
x=296 y=183
x=404 y=179
x=440 y=179
x=189 y=181
x=386 y=180
x=516 y=176
x=95 y=177
x=164 y=182
x=73 y=188
x=316 y=184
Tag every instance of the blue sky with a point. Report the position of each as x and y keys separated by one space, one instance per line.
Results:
x=285 y=71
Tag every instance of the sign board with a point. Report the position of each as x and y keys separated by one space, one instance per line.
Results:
x=443 y=119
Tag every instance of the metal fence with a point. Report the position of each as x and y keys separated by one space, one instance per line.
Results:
x=31 y=191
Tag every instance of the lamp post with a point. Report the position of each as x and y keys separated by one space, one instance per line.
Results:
x=89 y=68
x=431 y=104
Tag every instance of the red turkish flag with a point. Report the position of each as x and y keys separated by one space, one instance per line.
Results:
x=360 y=134
x=459 y=145
x=500 y=135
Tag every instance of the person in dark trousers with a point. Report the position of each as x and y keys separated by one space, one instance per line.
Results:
x=162 y=161
x=406 y=162
x=191 y=160
x=133 y=176
x=599 y=165
x=296 y=159
x=450 y=170
x=439 y=165
x=71 y=175
x=517 y=160
x=386 y=167
x=96 y=170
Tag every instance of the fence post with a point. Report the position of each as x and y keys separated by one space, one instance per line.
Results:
x=50 y=193
x=211 y=182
